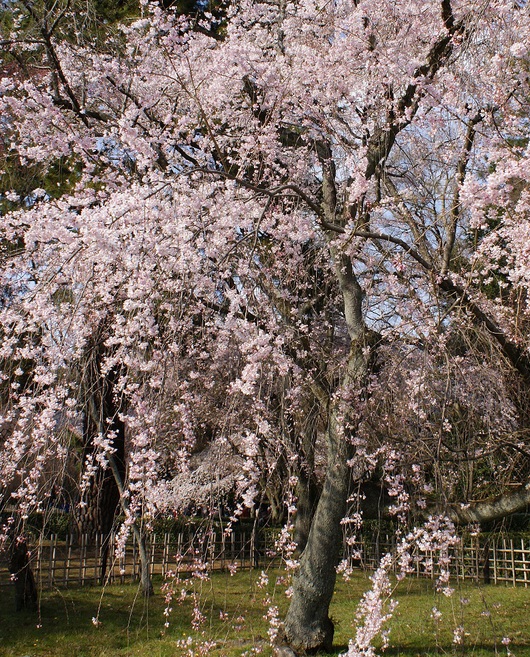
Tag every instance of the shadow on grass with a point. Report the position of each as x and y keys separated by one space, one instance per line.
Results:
x=84 y=621
x=234 y=613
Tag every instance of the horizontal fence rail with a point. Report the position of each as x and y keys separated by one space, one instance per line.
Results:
x=65 y=562
x=492 y=560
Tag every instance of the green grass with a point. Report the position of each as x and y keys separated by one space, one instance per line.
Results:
x=131 y=625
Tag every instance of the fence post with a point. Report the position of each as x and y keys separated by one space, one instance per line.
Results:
x=51 y=560
x=213 y=539
x=134 y=558
x=81 y=559
x=486 y=562
x=122 y=562
x=495 y=547
x=112 y=554
x=67 y=559
x=38 y=558
x=97 y=557
x=152 y=560
x=180 y=540
x=164 y=554
x=476 y=565
x=524 y=564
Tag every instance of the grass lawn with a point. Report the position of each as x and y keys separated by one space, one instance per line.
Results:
x=234 y=607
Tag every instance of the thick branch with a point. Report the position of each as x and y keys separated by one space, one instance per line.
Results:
x=395 y=240
x=329 y=188
x=267 y=191
x=487 y=510
x=352 y=294
x=400 y=116
x=447 y=14
x=455 y=205
x=517 y=356
x=54 y=60
x=377 y=503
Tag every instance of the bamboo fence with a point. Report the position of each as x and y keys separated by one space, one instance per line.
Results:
x=68 y=562
x=65 y=562
x=482 y=558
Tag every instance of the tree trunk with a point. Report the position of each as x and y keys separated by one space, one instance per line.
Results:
x=145 y=575
x=20 y=569
x=307 y=489
x=488 y=510
x=102 y=417
x=307 y=494
x=308 y=627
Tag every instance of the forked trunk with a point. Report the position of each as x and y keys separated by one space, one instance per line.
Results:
x=308 y=627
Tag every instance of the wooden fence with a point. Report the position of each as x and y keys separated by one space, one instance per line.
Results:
x=65 y=562
x=483 y=558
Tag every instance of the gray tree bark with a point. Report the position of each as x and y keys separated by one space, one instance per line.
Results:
x=307 y=495
x=308 y=627
x=493 y=509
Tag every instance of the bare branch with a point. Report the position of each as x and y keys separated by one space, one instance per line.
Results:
x=455 y=205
